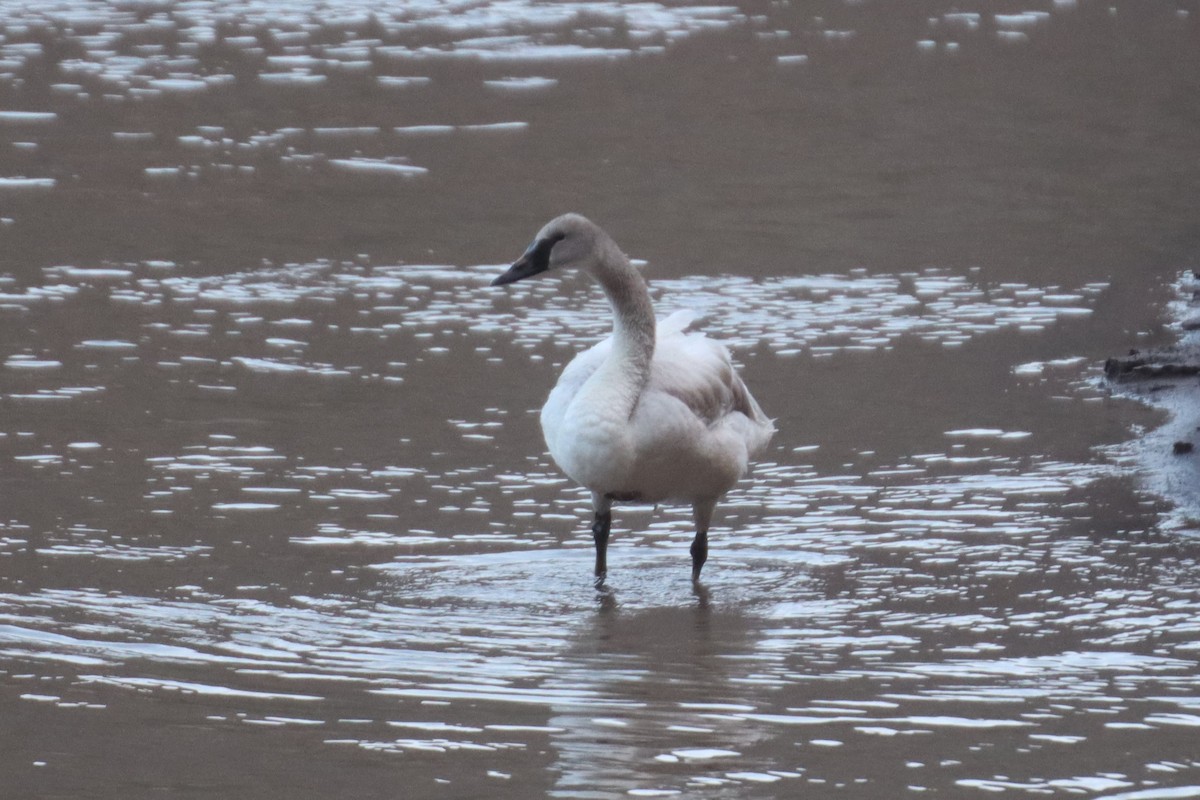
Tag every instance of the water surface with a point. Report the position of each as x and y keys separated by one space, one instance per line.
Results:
x=275 y=515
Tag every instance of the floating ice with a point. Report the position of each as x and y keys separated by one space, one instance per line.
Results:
x=1012 y=37
x=297 y=79
x=27 y=117
x=1071 y=785
x=190 y=687
x=245 y=506
x=268 y=365
x=526 y=84
x=987 y=433
x=368 y=166
x=91 y=274
x=963 y=19
x=345 y=133
x=178 y=85
x=421 y=130
x=704 y=753
x=1159 y=793
x=490 y=127
x=26 y=184
x=397 y=82
x=31 y=363
x=754 y=777
x=1026 y=19
x=159 y=173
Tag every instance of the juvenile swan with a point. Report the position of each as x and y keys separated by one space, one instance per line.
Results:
x=650 y=414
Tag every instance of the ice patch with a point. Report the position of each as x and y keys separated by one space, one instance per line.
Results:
x=368 y=166
x=26 y=184
x=27 y=117
x=528 y=84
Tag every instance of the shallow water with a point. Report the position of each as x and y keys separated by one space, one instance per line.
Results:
x=275 y=516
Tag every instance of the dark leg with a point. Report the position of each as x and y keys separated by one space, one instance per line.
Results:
x=702 y=512
x=600 y=526
x=699 y=553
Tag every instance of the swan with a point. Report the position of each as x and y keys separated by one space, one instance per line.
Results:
x=650 y=414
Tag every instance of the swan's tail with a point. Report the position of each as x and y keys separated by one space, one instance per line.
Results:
x=762 y=427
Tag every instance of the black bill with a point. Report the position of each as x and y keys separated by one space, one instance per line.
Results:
x=534 y=261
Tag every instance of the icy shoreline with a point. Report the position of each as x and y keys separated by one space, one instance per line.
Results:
x=1168 y=378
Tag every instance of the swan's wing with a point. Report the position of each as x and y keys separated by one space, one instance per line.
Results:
x=582 y=366
x=691 y=368
x=699 y=372
x=573 y=376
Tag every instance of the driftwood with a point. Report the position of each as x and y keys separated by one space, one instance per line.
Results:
x=1176 y=361
x=1166 y=362
x=1172 y=367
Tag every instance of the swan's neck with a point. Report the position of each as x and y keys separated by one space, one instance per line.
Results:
x=627 y=368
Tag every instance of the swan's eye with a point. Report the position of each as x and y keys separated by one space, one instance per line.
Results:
x=539 y=251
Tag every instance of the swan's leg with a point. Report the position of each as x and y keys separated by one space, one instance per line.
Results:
x=702 y=512
x=699 y=553
x=600 y=525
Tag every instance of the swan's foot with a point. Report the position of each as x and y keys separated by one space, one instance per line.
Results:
x=600 y=526
x=699 y=553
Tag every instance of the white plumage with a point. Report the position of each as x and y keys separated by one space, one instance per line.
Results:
x=652 y=413
x=692 y=432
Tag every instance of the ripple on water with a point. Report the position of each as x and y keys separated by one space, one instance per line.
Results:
x=210 y=50
x=820 y=315
x=951 y=604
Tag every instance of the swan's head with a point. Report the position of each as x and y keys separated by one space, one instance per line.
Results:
x=566 y=241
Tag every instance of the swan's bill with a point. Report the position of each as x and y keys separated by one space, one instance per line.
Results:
x=533 y=261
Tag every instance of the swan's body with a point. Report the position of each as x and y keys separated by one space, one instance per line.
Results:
x=651 y=413
x=690 y=435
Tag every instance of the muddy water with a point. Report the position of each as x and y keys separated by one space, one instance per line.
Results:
x=275 y=516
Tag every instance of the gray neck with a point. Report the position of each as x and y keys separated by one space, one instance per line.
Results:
x=627 y=368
